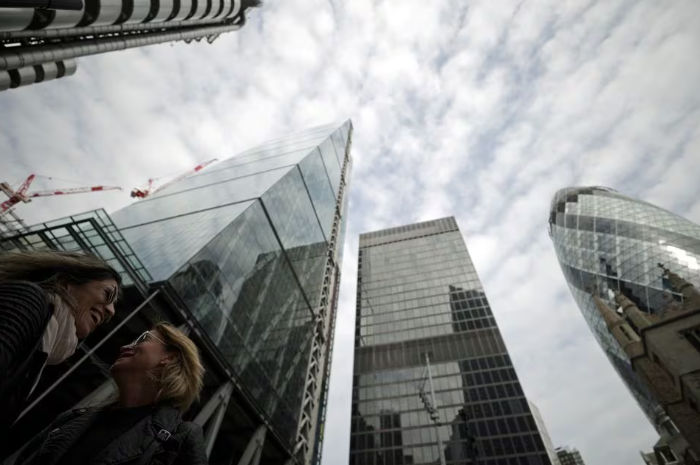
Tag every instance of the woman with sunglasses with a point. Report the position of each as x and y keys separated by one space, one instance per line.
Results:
x=158 y=376
x=49 y=301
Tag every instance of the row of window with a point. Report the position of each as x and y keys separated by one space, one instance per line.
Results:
x=442 y=384
x=455 y=453
x=377 y=278
x=441 y=225
x=448 y=314
x=416 y=252
x=427 y=254
x=402 y=309
x=498 y=391
x=469 y=304
x=392 y=432
x=449 y=323
x=425 y=332
x=416 y=374
x=496 y=408
x=439 y=282
x=417 y=243
x=510 y=445
x=503 y=426
x=413 y=297
x=540 y=459
x=488 y=396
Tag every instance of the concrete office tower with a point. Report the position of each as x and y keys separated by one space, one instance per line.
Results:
x=424 y=325
x=539 y=421
x=247 y=255
x=569 y=456
x=40 y=39
x=608 y=242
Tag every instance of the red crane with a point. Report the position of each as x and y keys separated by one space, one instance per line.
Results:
x=146 y=191
x=21 y=195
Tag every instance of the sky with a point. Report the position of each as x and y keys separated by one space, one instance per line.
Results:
x=478 y=109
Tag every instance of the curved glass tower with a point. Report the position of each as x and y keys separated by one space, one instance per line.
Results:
x=606 y=241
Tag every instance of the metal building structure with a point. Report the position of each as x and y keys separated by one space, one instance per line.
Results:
x=40 y=41
x=246 y=257
x=432 y=379
x=607 y=242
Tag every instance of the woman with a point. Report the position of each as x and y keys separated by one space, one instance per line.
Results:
x=49 y=301
x=158 y=377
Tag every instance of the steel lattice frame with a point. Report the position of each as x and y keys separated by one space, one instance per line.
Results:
x=320 y=349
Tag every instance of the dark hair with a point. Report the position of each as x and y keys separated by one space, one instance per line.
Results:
x=52 y=270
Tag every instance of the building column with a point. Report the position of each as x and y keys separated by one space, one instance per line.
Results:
x=253 y=450
x=213 y=413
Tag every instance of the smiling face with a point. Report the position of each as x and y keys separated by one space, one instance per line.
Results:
x=94 y=304
x=143 y=356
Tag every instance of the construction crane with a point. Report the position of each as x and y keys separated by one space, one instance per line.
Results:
x=7 y=215
x=146 y=191
x=21 y=195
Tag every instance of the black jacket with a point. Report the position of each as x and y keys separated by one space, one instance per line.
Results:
x=24 y=314
x=160 y=438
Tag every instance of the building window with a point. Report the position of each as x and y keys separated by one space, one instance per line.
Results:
x=693 y=336
x=665 y=455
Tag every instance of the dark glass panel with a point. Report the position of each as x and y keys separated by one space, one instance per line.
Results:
x=330 y=160
x=243 y=292
x=320 y=190
x=164 y=246
x=295 y=222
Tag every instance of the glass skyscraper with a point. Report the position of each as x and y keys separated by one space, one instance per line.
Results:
x=246 y=254
x=606 y=241
x=422 y=314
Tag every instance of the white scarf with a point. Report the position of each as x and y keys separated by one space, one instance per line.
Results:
x=60 y=339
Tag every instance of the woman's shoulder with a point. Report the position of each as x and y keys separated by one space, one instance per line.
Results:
x=190 y=429
x=24 y=312
x=190 y=440
x=170 y=418
x=22 y=294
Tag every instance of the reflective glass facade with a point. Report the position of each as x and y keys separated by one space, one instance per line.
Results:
x=418 y=294
x=245 y=245
x=606 y=241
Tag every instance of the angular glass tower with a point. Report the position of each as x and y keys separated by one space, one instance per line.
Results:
x=422 y=313
x=245 y=256
x=252 y=247
x=606 y=241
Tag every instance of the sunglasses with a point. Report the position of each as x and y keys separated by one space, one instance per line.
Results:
x=146 y=336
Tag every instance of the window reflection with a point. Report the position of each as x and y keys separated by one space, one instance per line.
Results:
x=422 y=295
x=610 y=241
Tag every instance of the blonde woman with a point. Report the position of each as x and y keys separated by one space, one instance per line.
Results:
x=49 y=301
x=158 y=376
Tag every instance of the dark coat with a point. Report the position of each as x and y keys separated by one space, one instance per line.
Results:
x=146 y=443
x=24 y=313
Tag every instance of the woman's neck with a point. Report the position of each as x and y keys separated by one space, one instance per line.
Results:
x=136 y=392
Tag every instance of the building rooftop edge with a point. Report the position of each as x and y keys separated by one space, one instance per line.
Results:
x=419 y=224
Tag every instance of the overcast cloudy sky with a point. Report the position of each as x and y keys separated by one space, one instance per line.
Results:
x=477 y=109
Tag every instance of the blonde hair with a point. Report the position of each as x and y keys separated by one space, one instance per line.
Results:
x=181 y=378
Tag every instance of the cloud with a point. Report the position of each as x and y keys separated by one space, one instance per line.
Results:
x=472 y=109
